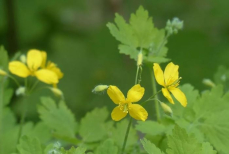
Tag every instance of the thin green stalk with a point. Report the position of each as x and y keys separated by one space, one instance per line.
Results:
x=131 y=119
x=151 y=98
x=1 y=104
x=154 y=87
x=136 y=77
x=14 y=80
x=126 y=136
x=22 y=118
x=163 y=43
x=34 y=85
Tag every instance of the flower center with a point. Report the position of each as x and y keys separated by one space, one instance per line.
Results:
x=175 y=83
x=123 y=107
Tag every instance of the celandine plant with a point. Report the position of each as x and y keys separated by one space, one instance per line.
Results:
x=186 y=122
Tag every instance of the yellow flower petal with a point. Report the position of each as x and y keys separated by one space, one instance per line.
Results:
x=138 y=112
x=115 y=95
x=158 y=73
x=179 y=95
x=171 y=74
x=46 y=76
x=52 y=66
x=18 y=68
x=34 y=59
x=135 y=93
x=167 y=95
x=117 y=114
x=44 y=58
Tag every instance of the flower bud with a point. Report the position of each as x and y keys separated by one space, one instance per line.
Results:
x=2 y=73
x=20 y=91
x=56 y=91
x=100 y=88
x=23 y=58
x=166 y=108
x=172 y=27
x=208 y=82
x=140 y=58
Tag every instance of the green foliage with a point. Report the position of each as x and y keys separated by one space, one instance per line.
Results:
x=93 y=127
x=8 y=132
x=29 y=145
x=58 y=118
x=180 y=142
x=3 y=59
x=73 y=150
x=140 y=33
x=119 y=132
x=147 y=127
x=107 y=147
x=150 y=148
x=211 y=112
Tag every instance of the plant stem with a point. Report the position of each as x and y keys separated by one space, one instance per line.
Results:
x=156 y=97
x=22 y=118
x=131 y=119
x=14 y=80
x=126 y=136
x=34 y=85
x=1 y=103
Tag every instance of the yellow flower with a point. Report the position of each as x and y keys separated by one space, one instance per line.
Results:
x=125 y=104
x=170 y=81
x=34 y=61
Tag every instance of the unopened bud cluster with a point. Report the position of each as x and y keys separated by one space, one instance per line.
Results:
x=172 y=27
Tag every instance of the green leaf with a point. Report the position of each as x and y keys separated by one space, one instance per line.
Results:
x=8 y=93
x=92 y=126
x=216 y=130
x=140 y=33
x=107 y=147
x=191 y=94
x=181 y=143
x=150 y=127
x=207 y=149
x=142 y=27
x=118 y=134
x=29 y=145
x=39 y=131
x=73 y=150
x=8 y=132
x=3 y=58
x=150 y=147
x=123 y=32
x=58 y=118
x=222 y=76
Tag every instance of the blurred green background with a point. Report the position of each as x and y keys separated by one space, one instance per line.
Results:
x=75 y=35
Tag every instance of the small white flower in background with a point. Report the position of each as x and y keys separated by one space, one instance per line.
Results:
x=20 y=91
